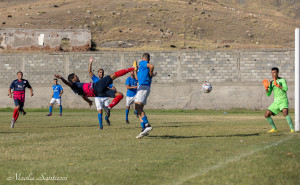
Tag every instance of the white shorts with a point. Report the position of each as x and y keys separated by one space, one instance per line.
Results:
x=142 y=94
x=53 y=100
x=100 y=102
x=129 y=101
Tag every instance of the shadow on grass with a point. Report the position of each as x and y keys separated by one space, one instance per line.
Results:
x=188 y=137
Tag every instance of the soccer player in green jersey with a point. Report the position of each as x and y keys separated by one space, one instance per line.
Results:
x=281 y=103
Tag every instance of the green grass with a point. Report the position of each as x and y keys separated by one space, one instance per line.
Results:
x=184 y=147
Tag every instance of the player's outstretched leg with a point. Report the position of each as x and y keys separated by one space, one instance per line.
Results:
x=115 y=101
x=270 y=120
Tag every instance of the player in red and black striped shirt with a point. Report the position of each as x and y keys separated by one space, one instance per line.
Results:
x=18 y=86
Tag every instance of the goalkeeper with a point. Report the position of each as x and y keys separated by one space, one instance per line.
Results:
x=281 y=103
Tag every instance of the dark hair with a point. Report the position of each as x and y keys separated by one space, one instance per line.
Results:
x=19 y=72
x=70 y=77
x=146 y=56
x=275 y=69
x=55 y=79
x=101 y=70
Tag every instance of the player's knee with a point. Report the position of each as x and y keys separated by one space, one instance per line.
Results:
x=267 y=114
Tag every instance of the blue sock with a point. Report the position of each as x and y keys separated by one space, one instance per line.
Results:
x=135 y=112
x=60 y=109
x=106 y=118
x=143 y=125
x=127 y=112
x=100 y=119
x=145 y=120
x=50 y=109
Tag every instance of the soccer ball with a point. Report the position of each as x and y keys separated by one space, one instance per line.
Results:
x=206 y=87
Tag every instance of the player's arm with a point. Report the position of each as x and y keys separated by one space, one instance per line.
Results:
x=64 y=80
x=129 y=87
x=61 y=92
x=268 y=87
x=90 y=67
x=9 y=93
x=151 y=69
x=90 y=102
x=284 y=86
x=135 y=74
x=31 y=91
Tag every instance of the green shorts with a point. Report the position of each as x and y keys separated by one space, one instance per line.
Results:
x=277 y=107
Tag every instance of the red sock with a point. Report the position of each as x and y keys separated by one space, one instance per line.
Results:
x=17 y=115
x=116 y=100
x=123 y=71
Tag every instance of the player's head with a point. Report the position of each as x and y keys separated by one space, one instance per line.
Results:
x=275 y=72
x=55 y=81
x=146 y=56
x=132 y=73
x=20 y=75
x=101 y=73
x=73 y=78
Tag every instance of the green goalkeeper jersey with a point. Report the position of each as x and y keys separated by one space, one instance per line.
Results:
x=279 y=94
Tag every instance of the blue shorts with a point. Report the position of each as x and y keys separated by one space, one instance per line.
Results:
x=101 y=88
x=17 y=102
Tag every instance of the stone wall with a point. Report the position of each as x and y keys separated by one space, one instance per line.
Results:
x=236 y=76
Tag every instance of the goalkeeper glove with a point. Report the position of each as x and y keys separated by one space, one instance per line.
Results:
x=266 y=84
x=275 y=83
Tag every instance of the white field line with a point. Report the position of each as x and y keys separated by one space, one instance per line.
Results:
x=236 y=158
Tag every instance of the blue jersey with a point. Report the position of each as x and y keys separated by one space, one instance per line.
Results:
x=143 y=74
x=56 y=91
x=131 y=82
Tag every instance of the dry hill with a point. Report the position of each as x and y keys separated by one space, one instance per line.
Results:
x=164 y=24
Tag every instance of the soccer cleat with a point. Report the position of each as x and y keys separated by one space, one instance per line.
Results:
x=101 y=128
x=107 y=111
x=273 y=130
x=145 y=132
x=24 y=113
x=292 y=131
x=127 y=121
x=12 y=123
x=60 y=115
x=134 y=65
x=50 y=114
x=107 y=121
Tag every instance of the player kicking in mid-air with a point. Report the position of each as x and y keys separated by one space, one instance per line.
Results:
x=18 y=87
x=56 y=97
x=98 y=89
x=281 y=103
x=131 y=85
x=100 y=102
x=144 y=74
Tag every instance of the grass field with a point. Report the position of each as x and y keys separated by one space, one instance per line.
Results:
x=184 y=147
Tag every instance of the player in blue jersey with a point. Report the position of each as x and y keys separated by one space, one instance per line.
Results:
x=100 y=102
x=56 y=97
x=131 y=85
x=18 y=86
x=144 y=74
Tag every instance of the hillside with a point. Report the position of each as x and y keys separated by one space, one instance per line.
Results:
x=165 y=24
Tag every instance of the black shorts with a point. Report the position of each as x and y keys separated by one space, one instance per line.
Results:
x=101 y=88
x=17 y=102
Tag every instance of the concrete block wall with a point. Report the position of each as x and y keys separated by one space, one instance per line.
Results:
x=236 y=76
